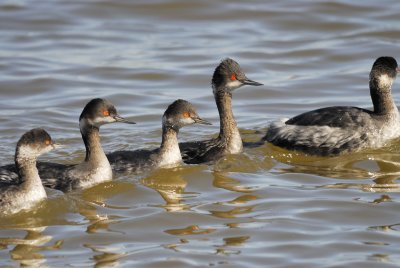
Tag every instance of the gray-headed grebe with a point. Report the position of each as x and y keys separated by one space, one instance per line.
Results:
x=227 y=77
x=180 y=113
x=95 y=168
x=27 y=190
x=340 y=129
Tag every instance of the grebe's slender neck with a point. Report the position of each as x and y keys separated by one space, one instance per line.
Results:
x=169 y=149
x=91 y=138
x=228 y=126
x=382 y=100
x=27 y=171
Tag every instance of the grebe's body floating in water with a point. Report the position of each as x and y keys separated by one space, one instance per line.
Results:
x=336 y=130
x=180 y=113
x=95 y=168
x=227 y=77
x=27 y=190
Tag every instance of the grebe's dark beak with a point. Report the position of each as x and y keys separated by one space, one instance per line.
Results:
x=198 y=120
x=250 y=82
x=57 y=145
x=120 y=119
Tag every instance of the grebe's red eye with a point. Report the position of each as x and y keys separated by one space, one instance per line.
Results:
x=233 y=77
x=186 y=114
x=47 y=142
x=106 y=113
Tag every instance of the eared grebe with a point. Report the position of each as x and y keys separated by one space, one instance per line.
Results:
x=180 y=113
x=335 y=130
x=227 y=77
x=95 y=168
x=27 y=190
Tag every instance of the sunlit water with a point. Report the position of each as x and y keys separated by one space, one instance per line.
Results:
x=265 y=208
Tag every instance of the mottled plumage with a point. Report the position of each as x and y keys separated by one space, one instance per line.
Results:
x=340 y=129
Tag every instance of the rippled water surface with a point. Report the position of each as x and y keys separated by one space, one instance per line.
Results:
x=265 y=208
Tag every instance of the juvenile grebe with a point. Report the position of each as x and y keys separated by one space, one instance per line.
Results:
x=27 y=190
x=180 y=113
x=95 y=168
x=340 y=129
x=227 y=77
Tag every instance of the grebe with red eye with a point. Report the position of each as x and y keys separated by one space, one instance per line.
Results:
x=27 y=190
x=179 y=114
x=95 y=168
x=227 y=77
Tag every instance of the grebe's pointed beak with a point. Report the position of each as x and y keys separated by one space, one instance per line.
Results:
x=57 y=145
x=198 y=120
x=250 y=82
x=120 y=119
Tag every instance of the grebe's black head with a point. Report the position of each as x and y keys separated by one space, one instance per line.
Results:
x=229 y=76
x=98 y=112
x=34 y=143
x=383 y=73
x=181 y=113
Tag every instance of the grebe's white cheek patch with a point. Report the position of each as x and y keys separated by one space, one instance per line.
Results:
x=186 y=121
x=98 y=121
x=234 y=84
x=385 y=81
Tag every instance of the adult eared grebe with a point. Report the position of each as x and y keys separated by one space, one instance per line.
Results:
x=335 y=130
x=227 y=77
x=24 y=193
x=180 y=113
x=95 y=168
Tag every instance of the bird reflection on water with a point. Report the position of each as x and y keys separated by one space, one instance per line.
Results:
x=170 y=184
x=27 y=249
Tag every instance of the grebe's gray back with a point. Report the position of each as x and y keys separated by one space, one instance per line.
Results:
x=339 y=129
